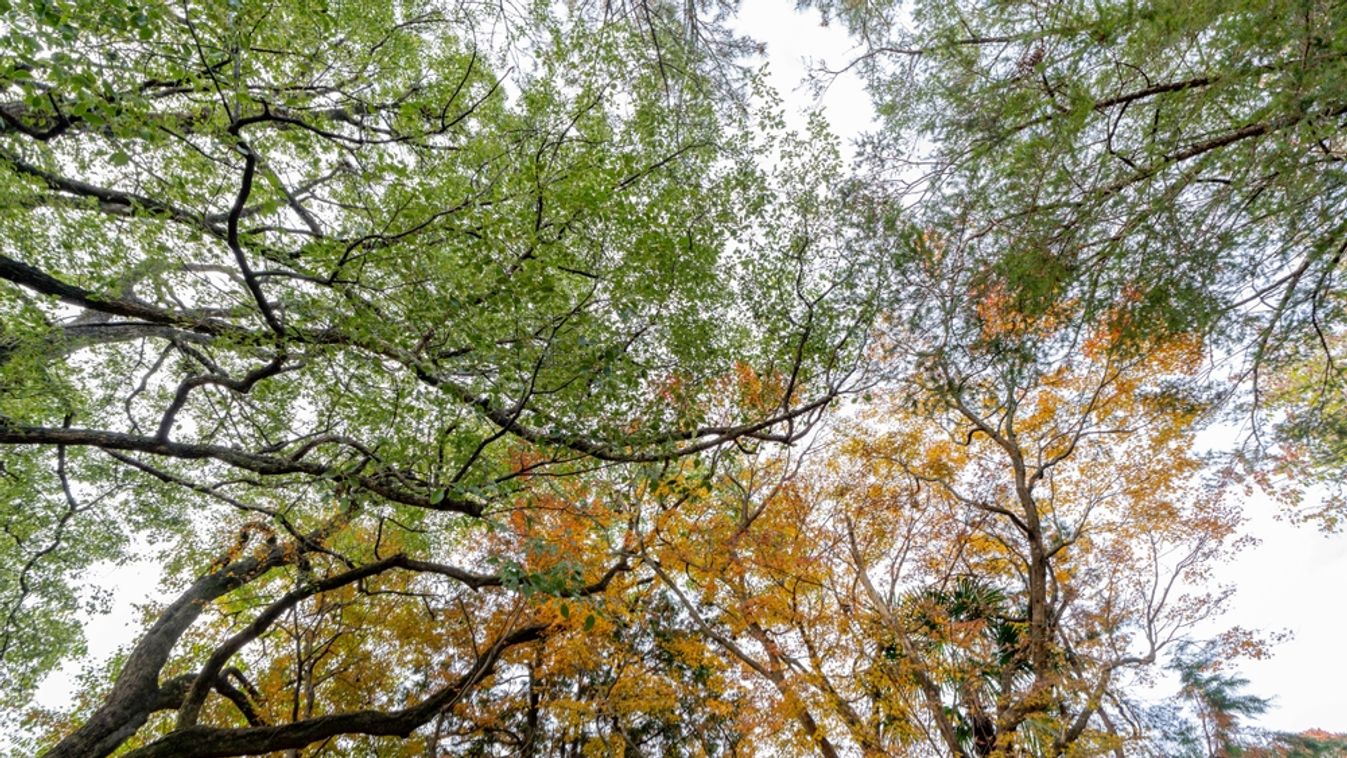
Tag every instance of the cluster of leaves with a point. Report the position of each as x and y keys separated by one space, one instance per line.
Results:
x=1177 y=164
x=362 y=312
x=1208 y=718
x=991 y=558
x=465 y=362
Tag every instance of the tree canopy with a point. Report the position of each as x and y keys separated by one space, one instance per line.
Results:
x=512 y=380
x=1177 y=162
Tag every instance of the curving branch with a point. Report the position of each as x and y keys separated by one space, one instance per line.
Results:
x=213 y=742
x=135 y=693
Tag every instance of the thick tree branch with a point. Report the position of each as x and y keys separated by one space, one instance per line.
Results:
x=211 y=742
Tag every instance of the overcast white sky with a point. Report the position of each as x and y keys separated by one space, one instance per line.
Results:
x=1292 y=580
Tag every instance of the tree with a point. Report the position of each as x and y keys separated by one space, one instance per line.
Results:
x=1311 y=743
x=326 y=298
x=1205 y=718
x=1306 y=396
x=1178 y=160
x=464 y=365
x=1216 y=698
x=998 y=551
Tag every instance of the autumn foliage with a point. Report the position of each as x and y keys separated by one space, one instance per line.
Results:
x=513 y=380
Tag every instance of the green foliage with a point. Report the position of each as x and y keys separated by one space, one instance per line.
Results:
x=324 y=262
x=1170 y=168
x=1216 y=698
x=428 y=344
